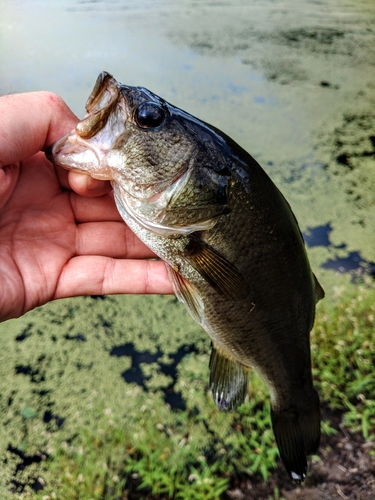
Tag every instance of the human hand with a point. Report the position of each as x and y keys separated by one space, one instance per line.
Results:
x=55 y=243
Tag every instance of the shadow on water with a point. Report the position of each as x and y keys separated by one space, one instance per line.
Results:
x=353 y=262
x=318 y=236
x=26 y=461
x=135 y=373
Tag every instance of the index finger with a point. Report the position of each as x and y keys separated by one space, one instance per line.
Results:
x=31 y=122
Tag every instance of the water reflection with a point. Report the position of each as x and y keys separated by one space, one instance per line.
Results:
x=317 y=236
x=110 y=5
x=353 y=262
x=135 y=373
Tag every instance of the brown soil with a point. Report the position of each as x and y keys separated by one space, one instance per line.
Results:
x=345 y=470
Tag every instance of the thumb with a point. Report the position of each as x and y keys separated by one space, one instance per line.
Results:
x=30 y=122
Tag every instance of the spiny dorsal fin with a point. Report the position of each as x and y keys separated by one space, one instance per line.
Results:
x=319 y=292
x=229 y=380
x=215 y=269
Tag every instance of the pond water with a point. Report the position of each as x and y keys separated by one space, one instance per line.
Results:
x=292 y=82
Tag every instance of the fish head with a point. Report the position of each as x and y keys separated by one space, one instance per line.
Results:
x=168 y=169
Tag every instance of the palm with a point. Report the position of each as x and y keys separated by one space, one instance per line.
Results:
x=55 y=243
x=36 y=237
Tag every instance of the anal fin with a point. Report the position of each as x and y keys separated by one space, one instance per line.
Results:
x=229 y=380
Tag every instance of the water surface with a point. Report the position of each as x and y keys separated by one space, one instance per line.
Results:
x=290 y=81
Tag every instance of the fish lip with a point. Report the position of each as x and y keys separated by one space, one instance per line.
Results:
x=101 y=104
x=71 y=140
x=67 y=145
x=97 y=132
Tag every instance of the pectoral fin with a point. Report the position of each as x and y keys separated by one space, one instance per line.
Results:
x=221 y=274
x=229 y=380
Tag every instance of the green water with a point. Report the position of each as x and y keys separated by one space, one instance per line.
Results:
x=292 y=82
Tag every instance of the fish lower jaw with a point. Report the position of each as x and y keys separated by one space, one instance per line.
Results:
x=80 y=146
x=78 y=155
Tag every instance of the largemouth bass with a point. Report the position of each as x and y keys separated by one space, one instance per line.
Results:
x=232 y=246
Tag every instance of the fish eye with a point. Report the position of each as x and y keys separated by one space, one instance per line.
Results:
x=149 y=115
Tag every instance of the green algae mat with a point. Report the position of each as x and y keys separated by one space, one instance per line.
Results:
x=103 y=396
x=107 y=398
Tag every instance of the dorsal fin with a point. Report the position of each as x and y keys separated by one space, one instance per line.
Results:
x=319 y=292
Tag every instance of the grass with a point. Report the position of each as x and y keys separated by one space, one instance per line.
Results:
x=187 y=454
x=88 y=434
x=343 y=352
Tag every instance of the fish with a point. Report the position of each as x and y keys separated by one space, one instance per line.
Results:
x=230 y=241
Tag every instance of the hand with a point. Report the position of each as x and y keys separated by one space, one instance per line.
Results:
x=54 y=242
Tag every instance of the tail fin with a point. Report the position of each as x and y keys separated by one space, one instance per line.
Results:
x=297 y=435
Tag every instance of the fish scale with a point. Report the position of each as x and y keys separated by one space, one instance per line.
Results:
x=231 y=243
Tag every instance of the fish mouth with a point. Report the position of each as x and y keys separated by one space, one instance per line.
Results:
x=91 y=146
x=86 y=149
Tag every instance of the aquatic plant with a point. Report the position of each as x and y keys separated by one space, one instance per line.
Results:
x=85 y=399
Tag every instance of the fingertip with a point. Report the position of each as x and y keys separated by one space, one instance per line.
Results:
x=85 y=185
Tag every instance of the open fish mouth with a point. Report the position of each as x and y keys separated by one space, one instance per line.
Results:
x=87 y=147
x=92 y=146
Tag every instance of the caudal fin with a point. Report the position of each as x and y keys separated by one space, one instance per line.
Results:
x=297 y=435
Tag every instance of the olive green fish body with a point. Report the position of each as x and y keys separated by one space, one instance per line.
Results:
x=232 y=246
x=277 y=314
